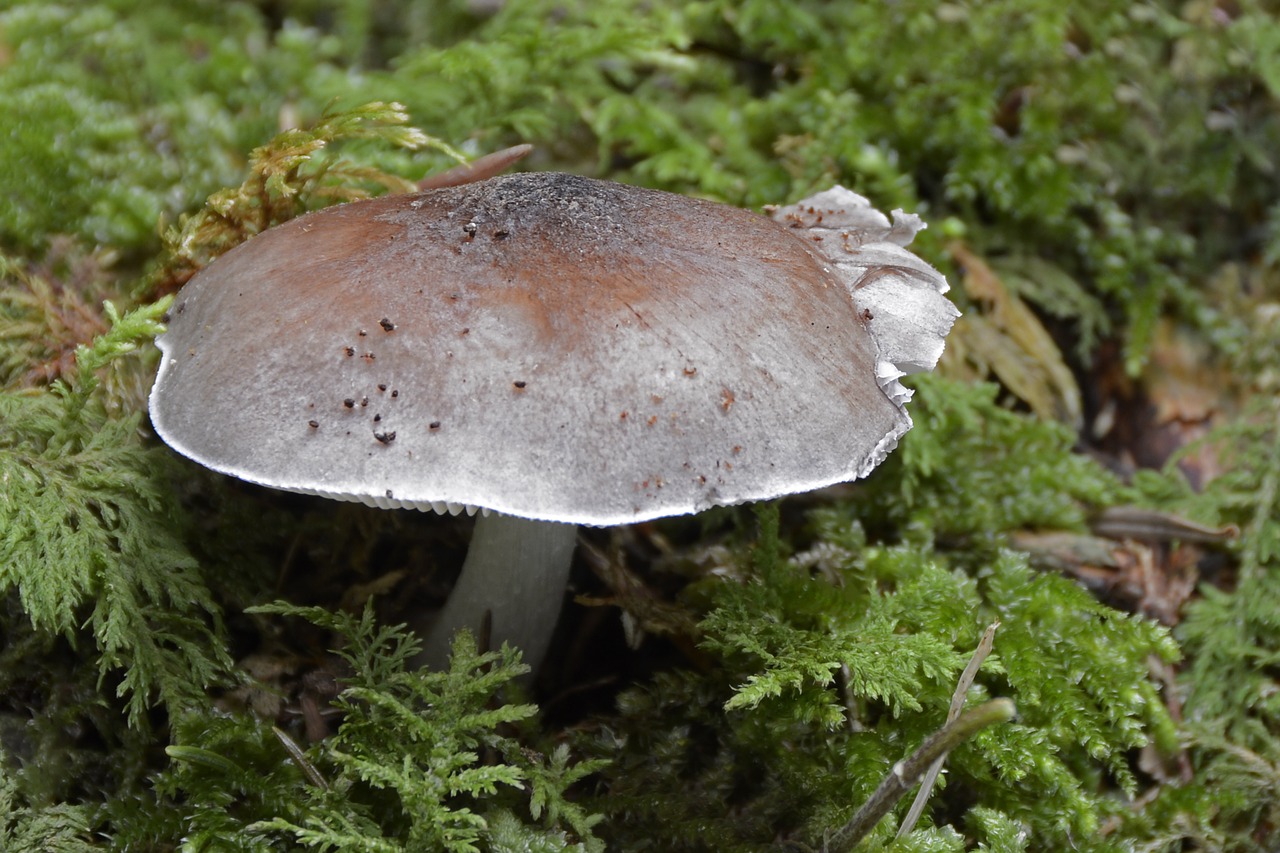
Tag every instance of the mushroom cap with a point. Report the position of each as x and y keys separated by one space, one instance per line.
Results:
x=542 y=345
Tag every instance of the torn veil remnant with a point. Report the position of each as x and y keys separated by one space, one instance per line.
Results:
x=897 y=293
x=555 y=350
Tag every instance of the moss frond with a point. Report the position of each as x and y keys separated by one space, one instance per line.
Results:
x=89 y=536
x=293 y=173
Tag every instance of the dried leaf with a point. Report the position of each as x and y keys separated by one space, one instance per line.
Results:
x=1005 y=338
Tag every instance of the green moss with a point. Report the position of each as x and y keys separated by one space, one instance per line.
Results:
x=406 y=769
x=119 y=118
x=87 y=538
x=846 y=655
x=1111 y=160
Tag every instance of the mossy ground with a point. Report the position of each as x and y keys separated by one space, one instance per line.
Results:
x=1100 y=179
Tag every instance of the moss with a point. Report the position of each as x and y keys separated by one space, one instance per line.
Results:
x=1110 y=163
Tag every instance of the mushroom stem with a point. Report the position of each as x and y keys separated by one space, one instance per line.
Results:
x=516 y=570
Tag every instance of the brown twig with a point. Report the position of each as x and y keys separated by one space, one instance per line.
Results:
x=482 y=168
x=957 y=705
x=906 y=773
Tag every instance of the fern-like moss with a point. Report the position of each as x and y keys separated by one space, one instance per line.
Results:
x=421 y=761
x=88 y=533
x=845 y=656
x=1106 y=160
x=60 y=828
x=290 y=175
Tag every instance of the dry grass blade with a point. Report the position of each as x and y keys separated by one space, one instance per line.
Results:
x=957 y=704
x=906 y=773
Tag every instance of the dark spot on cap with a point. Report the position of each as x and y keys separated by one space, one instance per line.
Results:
x=433 y=425
x=362 y=333
x=726 y=399
x=866 y=314
x=501 y=234
x=520 y=383
x=368 y=356
x=386 y=324
x=389 y=494
x=182 y=306
x=382 y=386
x=385 y=437
x=350 y=351
x=349 y=403
x=364 y=401
x=313 y=424
x=690 y=371
x=377 y=418
x=394 y=393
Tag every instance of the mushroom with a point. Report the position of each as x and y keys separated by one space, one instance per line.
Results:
x=557 y=351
